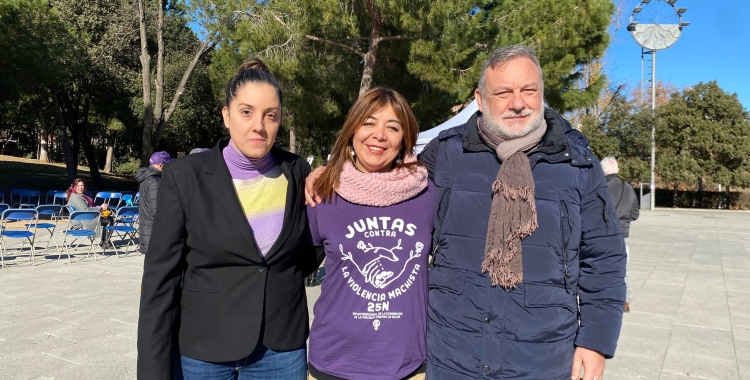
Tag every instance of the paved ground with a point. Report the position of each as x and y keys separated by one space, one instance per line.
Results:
x=690 y=314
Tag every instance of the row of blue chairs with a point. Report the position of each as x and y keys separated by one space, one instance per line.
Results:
x=25 y=198
x=126 y=219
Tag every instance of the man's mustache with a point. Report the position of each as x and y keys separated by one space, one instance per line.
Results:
x=524 y=113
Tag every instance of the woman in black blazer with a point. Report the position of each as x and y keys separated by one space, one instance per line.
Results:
x=233 y=220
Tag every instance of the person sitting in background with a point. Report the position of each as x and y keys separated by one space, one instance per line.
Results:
x=77 y=198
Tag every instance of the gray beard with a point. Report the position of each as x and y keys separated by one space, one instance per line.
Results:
x=497 y=126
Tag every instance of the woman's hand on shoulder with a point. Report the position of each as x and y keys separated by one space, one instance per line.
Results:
x=312 y=198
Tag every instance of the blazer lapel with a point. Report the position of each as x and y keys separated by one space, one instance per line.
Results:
x=289 y=209
x=220 y=182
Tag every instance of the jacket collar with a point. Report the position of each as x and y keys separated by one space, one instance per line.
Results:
x=222 y=187
x=553 y=147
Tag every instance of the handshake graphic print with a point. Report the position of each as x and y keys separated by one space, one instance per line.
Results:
x=379 y=272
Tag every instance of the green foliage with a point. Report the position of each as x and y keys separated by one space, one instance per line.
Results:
x=433 y=56
x=704 y=132
x=128 y=168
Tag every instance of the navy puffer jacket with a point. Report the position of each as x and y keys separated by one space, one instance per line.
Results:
x=573 y=264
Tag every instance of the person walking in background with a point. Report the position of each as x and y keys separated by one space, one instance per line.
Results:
x=375 y=224
x=148 y=179
x=234 y=221
x=626 y=203
x=77 y=198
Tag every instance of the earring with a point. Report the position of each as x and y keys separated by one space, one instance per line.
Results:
x=351 y=147
x=398 y=159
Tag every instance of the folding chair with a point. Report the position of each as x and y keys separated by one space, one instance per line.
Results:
x=61 y=197
x=2 y=197
x=137 y=198
x=107 y=197
x=15 y=196
x=50 y=194
x=78 y=232
x=53 y=211
x=4 y=206
x=18 y=215
x=125 y=217
x=32 y=197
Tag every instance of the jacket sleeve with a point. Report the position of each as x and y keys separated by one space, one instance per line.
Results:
x=429 y=156
x=153 y=193
x=636 y=210
x=161 y=293
x=602 y=268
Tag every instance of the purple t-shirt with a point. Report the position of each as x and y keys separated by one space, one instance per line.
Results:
x=371 y=316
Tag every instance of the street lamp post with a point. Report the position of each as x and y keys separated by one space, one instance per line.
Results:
x=655 y=36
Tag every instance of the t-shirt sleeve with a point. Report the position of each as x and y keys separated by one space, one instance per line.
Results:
x=312 y=219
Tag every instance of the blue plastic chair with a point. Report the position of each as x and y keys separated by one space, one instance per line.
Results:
x=125 y=218
x=26 y=234
x=15 y=196
x=78 y=232
x=32 y=197
x=4 y=206
x=53 y=211
x=60 y=197
x=108 y=198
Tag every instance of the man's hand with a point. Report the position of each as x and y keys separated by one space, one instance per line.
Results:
x=592 y=363
x=311 y=197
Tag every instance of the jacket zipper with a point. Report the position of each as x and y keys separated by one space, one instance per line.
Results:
x=563 y=221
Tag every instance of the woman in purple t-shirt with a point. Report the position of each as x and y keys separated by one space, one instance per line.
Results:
x=375 y=223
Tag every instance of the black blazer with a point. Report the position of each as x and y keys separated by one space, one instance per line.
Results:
x=232 y=298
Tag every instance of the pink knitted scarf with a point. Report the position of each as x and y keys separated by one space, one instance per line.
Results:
x=382 y=189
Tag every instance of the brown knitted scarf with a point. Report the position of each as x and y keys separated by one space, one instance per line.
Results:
x=513 y=213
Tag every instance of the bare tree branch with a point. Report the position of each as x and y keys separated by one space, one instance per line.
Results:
x=334 y=43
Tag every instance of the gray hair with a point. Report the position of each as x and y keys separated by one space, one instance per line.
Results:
x=504 y=54
x=609 y=165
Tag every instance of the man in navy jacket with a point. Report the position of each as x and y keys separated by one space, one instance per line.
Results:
x=566 y=312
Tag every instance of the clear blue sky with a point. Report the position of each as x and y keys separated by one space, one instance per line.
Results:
x=715 y=46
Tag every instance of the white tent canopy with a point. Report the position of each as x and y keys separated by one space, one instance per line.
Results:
x=461 y=118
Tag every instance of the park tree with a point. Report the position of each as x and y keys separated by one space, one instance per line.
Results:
x=704 y=133
x=431 y=52
x=209 y=16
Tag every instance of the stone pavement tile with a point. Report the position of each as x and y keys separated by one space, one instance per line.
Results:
x=116 y=368
x=673 y=267
x=20 y=313
x=705 y=279
x=654 y=304
x=695 y=320
x=668 y=277
x=94 y=330
x=696 y=290
x=707 y=307
x=699 y=366
x=30 y=365
x=742 y=274
x=661 y=290
x=104 y=349
x=739 y=302
x=30 y=327
x=680 y=376
x=717 y=270
x=742 y=348
x=628 y=367
x=701 y=341
x=638 y=317
x=737 y=284
x=741 y=330
x=643 y=340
